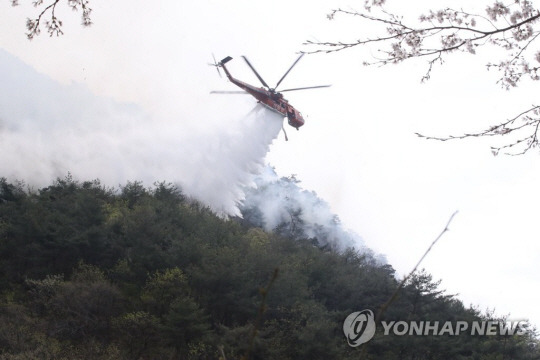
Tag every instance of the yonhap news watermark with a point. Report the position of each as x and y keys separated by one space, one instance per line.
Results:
x=359 y=327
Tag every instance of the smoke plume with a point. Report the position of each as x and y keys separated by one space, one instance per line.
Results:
x=281 y=205
x=48 y=130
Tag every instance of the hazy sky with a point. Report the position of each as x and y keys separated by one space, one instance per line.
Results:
x=357 y=150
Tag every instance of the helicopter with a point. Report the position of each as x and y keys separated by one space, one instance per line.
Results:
x=266 y=95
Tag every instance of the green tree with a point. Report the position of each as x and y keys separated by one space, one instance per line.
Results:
x=167 y=295
x=79 y=308
x=175 y=281
x=138 y=333
x=49 y=231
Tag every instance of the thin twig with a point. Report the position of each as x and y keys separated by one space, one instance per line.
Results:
x=258 y=321
x=394 y=295
x=392 y=298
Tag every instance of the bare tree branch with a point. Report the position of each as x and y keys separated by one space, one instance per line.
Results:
x=392 y=298
x=394 y=295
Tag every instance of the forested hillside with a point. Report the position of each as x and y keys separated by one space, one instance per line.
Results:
x=89 y=272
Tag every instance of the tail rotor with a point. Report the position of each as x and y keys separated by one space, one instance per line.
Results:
x=216 y=64
x=220 y=64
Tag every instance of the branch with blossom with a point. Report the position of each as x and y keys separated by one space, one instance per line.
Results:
x=527 y=122
x=511 y=27
x=53 y=24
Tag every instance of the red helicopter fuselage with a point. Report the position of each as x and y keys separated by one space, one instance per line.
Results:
x=271 y=99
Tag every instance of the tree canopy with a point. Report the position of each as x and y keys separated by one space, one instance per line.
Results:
x=145 y=273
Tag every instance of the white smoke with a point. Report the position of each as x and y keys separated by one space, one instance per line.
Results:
x=48 y=130
x=281 y=202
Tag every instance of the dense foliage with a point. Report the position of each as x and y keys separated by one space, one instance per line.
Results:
x=94 y=273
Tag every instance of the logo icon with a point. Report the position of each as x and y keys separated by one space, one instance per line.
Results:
x=359 y=327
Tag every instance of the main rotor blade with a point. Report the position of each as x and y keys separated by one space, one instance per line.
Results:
x=229 y=92
x=305 y=88
x=288 y=71
x=255 y=72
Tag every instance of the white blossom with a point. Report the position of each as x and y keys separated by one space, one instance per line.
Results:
x=498 y=9
x=523 y=32
x=469 y=46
